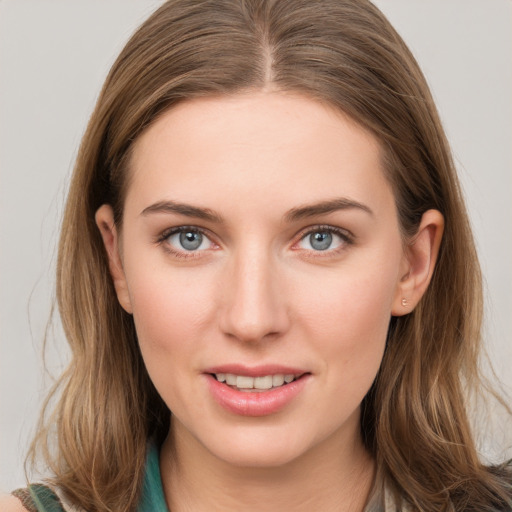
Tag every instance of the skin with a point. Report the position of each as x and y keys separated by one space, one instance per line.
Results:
x=258 y=292
x=11 y=504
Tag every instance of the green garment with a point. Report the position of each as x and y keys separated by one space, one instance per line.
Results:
x=152 y=499
x=40 y=498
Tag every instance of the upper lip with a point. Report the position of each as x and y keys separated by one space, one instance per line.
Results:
x=256 y=371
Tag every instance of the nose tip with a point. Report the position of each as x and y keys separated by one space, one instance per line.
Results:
x=254 y=303
x=251 y=330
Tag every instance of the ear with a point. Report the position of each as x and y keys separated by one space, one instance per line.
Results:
x=105 y=221
x=418 y=263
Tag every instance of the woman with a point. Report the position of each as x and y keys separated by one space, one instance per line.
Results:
x=265 y=235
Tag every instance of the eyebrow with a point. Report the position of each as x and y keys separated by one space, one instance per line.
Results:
x=325 y=207
x=298 y=213
x=183 y=209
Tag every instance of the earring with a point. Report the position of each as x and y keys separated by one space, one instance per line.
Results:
x=404 y=303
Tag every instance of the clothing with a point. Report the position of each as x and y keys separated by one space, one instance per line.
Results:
x=41 y=498
x=152 y=498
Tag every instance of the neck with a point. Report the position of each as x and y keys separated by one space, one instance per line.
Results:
x=335 y=475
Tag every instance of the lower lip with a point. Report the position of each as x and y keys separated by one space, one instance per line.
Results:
x=257 y=403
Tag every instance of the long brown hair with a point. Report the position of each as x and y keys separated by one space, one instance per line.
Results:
x=340 y=52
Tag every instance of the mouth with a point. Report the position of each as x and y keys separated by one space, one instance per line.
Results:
x=256 y=391
x=260 y=384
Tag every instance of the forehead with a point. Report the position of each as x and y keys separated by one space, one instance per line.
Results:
x=262 y=148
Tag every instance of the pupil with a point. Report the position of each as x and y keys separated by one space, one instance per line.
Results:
x=190 y=240
x=321 y=240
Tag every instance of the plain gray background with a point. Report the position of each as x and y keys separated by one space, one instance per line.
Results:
x=54 y=55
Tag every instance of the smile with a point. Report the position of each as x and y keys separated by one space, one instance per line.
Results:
x=260 y=395
x=255 y=384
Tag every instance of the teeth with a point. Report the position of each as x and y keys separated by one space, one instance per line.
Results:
x=277 y=380
x=244 y=382
x=262 y=383
x=230 y=379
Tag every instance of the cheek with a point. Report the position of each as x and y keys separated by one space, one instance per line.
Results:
x=169 y=311
x=348 y=301
x=169 y=308
x=348 y=318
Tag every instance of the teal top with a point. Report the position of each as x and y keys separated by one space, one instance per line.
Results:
x=40 y=498
x=152 y=499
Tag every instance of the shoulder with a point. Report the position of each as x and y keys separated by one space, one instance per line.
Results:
x=10 y=503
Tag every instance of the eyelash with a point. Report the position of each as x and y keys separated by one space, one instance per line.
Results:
x=346 y=237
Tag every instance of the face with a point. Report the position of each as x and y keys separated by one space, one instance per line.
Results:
x=260 y=244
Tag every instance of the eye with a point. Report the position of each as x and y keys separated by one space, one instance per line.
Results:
x=186 y=239
x=324 y=239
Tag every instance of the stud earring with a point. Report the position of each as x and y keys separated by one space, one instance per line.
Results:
x=404 y=303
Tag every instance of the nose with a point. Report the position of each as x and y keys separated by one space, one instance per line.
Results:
x=254 y=302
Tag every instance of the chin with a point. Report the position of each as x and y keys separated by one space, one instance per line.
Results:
x=254 y=455
x=266 y=446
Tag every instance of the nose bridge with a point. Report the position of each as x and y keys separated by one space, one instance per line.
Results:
x=254 y=306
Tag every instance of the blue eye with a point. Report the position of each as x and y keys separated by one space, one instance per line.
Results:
x=188 y=240
x=323 y=239
x=191 y=241
x=320 y=241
